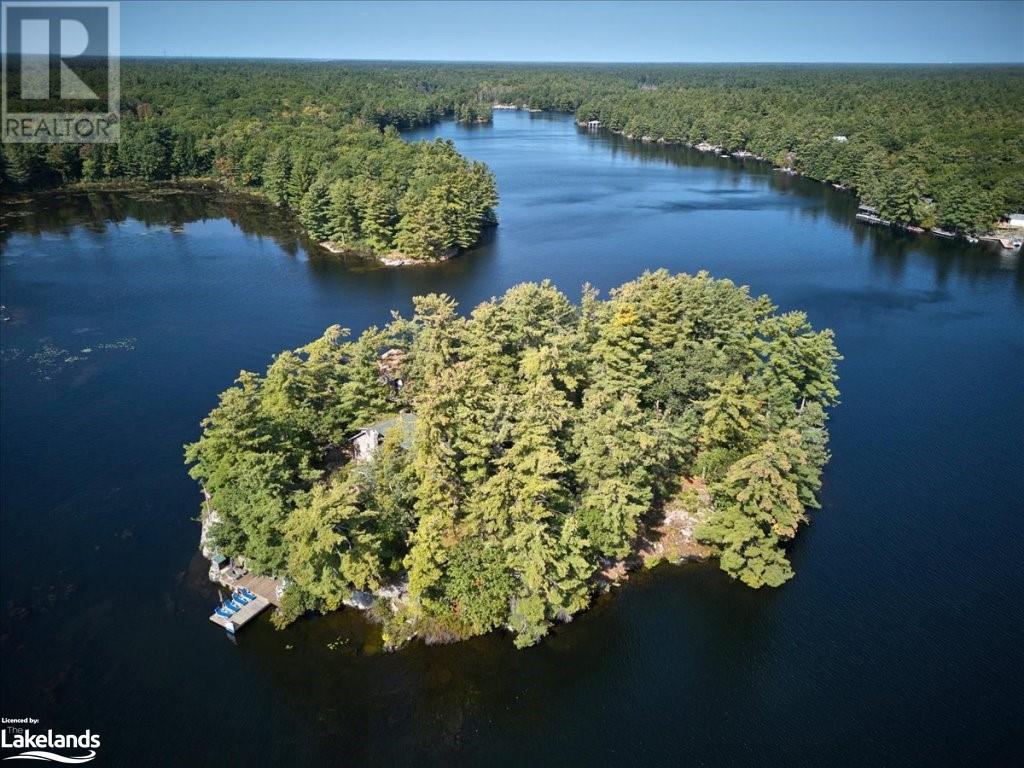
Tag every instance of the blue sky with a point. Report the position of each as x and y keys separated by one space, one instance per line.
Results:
x=581 y=31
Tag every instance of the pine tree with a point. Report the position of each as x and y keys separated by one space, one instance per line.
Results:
x=377 y=217
x=621 y=359
x=277 y=174
x=300 y=176
x=314 y=211
x=615 y=450
x=731 y=414
x=759 y=506
x=552 y=572
x=343 y=214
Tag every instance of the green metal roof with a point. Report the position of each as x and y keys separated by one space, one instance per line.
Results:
x=405 y=421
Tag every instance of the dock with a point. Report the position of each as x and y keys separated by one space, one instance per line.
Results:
x=248 y=612
x=261 y=586
x=266 y=589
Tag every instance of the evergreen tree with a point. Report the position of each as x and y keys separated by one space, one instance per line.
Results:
x=314 y=211
x=277 y=174
x=759 y=506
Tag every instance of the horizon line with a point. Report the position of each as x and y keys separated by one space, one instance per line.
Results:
x=327 y=59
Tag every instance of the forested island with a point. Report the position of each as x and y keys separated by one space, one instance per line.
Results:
x=459 y=474
x=925 y=145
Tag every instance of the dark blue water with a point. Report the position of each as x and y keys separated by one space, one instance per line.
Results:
x=898 y=642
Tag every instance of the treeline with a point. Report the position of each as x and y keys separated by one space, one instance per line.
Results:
x=320 y=142
x=548 y=439
x=925 y=145
x=933 y=145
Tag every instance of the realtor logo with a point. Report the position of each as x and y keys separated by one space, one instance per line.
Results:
x=61 y=72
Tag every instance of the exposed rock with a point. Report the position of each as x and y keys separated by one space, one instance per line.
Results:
x=359 y=599
x=399 y=259
x=673 y=538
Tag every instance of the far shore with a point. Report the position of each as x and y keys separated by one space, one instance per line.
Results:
x=992 y=235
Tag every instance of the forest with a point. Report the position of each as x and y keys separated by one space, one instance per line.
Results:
x=928 y=145
x=539 y=441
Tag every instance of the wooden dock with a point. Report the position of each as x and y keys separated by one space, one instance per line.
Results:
x=265 y=589
x=261 y=586
x=249 y=611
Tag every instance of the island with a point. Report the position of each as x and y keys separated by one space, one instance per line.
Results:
x=455 y=474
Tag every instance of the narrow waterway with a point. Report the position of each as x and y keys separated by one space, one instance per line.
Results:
x=898 y=642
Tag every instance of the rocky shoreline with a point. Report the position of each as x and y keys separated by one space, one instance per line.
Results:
x=391 y=259
x=671 y=540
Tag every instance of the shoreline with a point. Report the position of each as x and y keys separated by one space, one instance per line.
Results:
x=992 y=235
x=207 y=185
x=669 y=540
x=390 y=259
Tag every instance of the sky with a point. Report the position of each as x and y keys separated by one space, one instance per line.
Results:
x=932 y=32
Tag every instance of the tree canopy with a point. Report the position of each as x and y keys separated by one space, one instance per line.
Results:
x=547 y=439
x=924 y=144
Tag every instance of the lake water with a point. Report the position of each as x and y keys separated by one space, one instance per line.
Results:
x=898 y=642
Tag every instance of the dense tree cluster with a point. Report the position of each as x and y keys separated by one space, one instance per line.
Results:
x=319 y=141
x=474 y=112
x=547 y=437
x=925 y=144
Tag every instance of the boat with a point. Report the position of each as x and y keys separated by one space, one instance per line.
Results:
x=941 y=232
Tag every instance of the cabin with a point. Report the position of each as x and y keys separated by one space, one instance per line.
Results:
x=841 y=139
x=366 y=441
x=1015 y=221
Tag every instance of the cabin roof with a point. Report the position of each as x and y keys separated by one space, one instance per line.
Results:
x=406 y=421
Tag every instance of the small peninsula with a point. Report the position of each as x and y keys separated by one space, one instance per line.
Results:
x=455 y=475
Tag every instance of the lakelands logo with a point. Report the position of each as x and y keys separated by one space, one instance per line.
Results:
x=38 y=745
x=61 y=72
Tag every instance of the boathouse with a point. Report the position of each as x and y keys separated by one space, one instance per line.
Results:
x=593 y=123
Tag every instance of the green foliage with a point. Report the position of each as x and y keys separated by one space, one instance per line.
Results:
x=760 y=506
x=923 y=144
x=547 y=436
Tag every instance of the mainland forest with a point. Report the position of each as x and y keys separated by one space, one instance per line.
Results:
x=928 y=145
x=541 y=442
